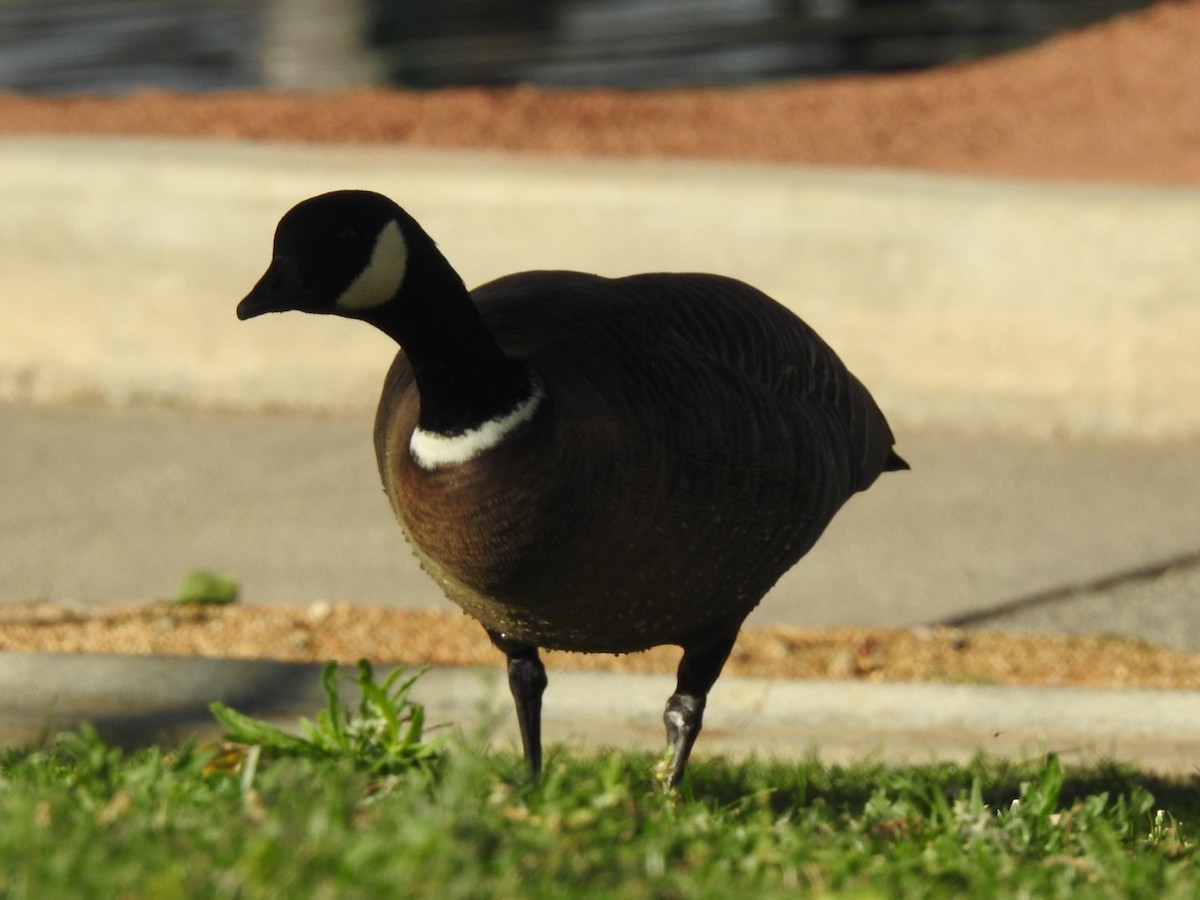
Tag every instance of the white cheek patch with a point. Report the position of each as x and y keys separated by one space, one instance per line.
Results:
x=431 y=450
x=384 y=272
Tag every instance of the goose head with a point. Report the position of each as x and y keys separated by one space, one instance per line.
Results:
x=345 y=253
x=357 y=254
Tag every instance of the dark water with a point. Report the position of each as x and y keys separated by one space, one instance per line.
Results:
x=655 y=43
x=113 y=46
x=73 y=46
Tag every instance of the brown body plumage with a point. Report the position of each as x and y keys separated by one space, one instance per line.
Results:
x=679 y=468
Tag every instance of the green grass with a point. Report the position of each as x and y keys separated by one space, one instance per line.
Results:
x=383 y=734
x=201 y=587
x=324 y=817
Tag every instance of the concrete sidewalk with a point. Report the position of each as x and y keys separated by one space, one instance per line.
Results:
x=109 y=505
x=1033 y=345
x=142 y=699
x=1041 y=308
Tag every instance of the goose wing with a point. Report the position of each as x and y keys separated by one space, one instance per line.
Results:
x=758 y=345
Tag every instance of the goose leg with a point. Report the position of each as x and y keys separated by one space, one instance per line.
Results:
x=527 y=681
x=698 y=671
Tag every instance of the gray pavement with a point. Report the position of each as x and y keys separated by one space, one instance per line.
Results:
x=139 y=699
x=115 y=505
x=103 y=505
x=1033 y=345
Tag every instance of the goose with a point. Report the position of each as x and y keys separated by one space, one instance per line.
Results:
x=586 y=463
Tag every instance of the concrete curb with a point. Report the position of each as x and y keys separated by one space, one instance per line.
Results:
x=1048 y=308
x=137 y=699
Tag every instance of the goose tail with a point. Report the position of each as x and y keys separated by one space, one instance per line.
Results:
x=895 y=463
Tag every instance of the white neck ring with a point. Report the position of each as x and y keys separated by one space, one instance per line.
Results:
x=431 y=450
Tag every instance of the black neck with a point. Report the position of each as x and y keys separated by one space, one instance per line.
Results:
x=463 y=377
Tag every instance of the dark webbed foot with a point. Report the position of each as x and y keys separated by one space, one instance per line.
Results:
x=684 y=716
x=527 y=681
